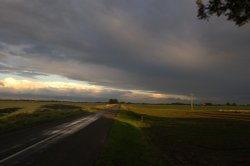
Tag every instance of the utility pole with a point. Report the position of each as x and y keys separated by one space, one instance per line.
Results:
x=192 y=101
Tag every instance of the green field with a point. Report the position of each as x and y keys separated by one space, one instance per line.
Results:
x=175 y=135
x=19 y=114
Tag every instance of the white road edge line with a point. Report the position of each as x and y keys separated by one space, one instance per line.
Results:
x=91 y=119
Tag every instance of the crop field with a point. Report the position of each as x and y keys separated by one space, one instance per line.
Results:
x=174 y=135
x=15 y=114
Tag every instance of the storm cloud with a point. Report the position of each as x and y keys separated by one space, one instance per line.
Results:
x=156 y=46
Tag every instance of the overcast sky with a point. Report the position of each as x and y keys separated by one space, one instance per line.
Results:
x=134 y=50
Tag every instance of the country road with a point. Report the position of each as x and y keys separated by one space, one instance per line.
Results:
x=73 y=141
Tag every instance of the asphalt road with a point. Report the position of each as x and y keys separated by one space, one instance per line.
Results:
x=73 y=141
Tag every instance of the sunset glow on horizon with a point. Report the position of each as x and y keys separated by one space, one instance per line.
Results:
x=29 y=87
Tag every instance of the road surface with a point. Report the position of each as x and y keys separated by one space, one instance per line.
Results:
x=73 y=141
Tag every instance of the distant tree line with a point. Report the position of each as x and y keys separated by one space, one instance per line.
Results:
x=197 y=104
x=113 y=101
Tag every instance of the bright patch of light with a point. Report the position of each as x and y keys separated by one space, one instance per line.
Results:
x=65 y=86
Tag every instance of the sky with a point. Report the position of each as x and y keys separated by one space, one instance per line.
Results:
x=132 y=50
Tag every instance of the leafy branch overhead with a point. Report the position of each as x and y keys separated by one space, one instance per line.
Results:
x=235 y=10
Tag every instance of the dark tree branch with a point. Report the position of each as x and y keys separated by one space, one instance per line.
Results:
x=235 y=10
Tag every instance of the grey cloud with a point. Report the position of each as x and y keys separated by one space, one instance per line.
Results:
x=147 y=45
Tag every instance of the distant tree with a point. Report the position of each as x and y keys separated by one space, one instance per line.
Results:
x=113 y=101
x=234 y=104
x=208 y=104
x=178 y=103
x=235 y=10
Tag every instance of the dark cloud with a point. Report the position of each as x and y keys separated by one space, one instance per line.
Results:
x=145 y=45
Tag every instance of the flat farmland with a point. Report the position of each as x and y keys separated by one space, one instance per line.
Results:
x=146 y=134
x=16 y=114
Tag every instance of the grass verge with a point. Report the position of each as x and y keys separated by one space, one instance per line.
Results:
x=21 y=114
x=127 y=145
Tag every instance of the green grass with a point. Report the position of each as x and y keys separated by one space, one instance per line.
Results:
x=20 y=114
x=209 y=135
x=127 y=145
